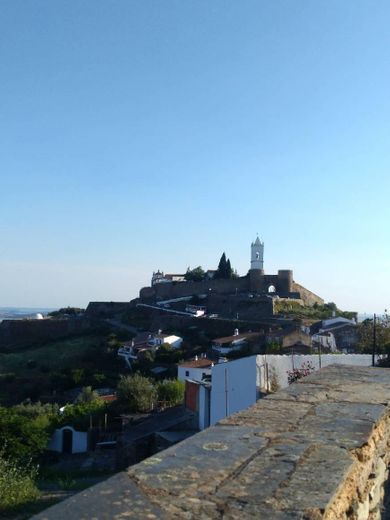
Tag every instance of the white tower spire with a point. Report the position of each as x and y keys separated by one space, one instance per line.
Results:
x=257 y=254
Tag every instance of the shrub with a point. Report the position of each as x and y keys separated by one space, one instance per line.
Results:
x=171 y=391
x=87 y=395
x=136 y=393
x=21 y=437
x=17 y=485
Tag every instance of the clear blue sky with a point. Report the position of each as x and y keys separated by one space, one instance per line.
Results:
x=137 y=135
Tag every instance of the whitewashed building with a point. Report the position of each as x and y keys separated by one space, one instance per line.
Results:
x=68 y=440
x=229 y=388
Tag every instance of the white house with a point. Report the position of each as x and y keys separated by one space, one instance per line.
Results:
x=229 y=388
x=130 y=350
x=160 y=277
x=68 y=440
x=171 y=340
x=231 y=343
x=325 y=339
x=198 y=369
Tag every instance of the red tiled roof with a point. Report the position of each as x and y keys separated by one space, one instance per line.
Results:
x=230 y=339
x=200 y=363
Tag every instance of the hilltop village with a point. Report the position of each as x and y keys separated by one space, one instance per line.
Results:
x=105 y=387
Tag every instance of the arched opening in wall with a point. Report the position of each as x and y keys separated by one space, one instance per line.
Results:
x=67 y=440
x=272 y=289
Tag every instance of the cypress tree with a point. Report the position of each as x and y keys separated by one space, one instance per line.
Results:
x=222 y=267
x=229 y=270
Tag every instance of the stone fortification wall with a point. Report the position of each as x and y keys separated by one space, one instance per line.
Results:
x=308 y=297
x=20 y=332
x=166 y=291
x=317 y=450
x=245 y=306
x=256 y=282
x=106 y=309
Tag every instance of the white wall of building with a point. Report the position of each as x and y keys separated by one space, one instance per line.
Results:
x=79 y=441
x=278 y=365
x=173 y=341
x=204 y=407
x=196 y=374
x=233 y=387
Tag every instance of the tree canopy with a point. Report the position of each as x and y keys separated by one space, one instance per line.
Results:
x=224 y=270
x=195 y=275
x=136 y=393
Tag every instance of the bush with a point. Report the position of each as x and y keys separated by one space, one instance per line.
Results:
x=171 y=391
x=17 y=485
x=80 y=414
x=87 y=395
x=136 y=393
x=22 y=437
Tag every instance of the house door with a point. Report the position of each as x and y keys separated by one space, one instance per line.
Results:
x=67 y=441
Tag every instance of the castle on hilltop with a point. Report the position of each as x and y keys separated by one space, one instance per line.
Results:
x=256 y=283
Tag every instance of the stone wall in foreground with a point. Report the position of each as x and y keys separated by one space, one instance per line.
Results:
x=317 y=450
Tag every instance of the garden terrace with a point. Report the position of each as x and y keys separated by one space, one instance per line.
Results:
x=318 y=449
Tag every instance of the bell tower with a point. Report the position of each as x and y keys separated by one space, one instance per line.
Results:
x=257 y=254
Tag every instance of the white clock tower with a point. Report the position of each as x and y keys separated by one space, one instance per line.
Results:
x=257 y=254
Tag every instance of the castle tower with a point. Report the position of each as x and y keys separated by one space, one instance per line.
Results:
x=257 y=254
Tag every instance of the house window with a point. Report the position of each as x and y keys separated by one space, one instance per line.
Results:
x=187 y=373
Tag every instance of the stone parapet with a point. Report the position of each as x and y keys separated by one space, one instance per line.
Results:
x=317 y=450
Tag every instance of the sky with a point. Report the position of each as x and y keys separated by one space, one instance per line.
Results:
x=138 y=135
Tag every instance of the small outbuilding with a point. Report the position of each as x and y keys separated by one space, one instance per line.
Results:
x=68 y=440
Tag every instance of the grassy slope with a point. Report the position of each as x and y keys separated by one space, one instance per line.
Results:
x=49 y=367
x=64 y=353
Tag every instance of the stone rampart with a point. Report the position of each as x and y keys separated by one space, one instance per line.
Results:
x=307 y=296
x=20 y=332
x=179 y=289
x=106 y=309
x=317 y=450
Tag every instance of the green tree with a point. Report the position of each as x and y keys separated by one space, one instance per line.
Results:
x=225 y=270
x=222 y=267
x=171 y=391
x=195 y=275
x=66 y=311
x=21 y=437
x=229 y=270
x=136 y=393
x=87 y=395
x=79 y=415
x=382 y=333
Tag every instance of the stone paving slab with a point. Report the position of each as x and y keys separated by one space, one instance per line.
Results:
x=306 y=452
x=117 y=497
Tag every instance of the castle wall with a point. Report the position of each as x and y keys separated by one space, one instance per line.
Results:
x=165 y=291
x=106 y=309
x=308 y=297
x=260 y=282
x=18 y=332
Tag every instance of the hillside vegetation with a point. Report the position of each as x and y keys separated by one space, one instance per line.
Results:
x=316 y=312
